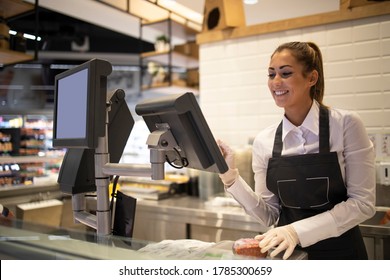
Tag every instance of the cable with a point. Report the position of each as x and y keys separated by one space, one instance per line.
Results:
x=183 y=160
x=113 y=194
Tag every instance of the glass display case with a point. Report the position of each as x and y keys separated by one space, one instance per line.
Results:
x=27 y=241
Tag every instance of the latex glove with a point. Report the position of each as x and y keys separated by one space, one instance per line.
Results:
x=282 y=238
x=229 y=177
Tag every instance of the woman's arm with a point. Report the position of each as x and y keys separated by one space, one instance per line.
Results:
x=261 y=204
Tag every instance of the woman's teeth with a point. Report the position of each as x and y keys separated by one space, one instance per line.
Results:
x=280 y=92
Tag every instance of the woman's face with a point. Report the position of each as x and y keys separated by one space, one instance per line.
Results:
x=289 y=87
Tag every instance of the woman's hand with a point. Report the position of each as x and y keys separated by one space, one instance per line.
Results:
x=229 y=177
x=282 y=238
x=227 y=153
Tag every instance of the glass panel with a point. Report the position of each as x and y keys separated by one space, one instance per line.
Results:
x=22 y=240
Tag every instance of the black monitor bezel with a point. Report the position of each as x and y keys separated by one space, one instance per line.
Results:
x=98 y=70
x=199 y=143
x=77 y=172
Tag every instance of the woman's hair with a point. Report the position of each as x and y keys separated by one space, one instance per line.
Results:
x=309 y=55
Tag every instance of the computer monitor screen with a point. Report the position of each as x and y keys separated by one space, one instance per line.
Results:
x=77 y=173
x=70 y=89
x=189 y=128
x=80 y=105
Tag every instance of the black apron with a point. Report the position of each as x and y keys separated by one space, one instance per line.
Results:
x=311 y=184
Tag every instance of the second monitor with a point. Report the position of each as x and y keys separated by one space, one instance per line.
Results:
x=194 y=145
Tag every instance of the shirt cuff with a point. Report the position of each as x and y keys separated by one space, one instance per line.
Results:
x=314 y=229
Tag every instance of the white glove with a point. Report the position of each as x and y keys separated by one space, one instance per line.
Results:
x=229 y=177
x=282 y=238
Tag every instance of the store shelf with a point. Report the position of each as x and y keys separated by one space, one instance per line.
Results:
x=32 y=159
x=8 y=10
x=25 y=171
x=166 y=88
x=11 y=8
x=178 y=64
x=28 y=159
x=178 y=59
x=181 y=32
x=12 y=57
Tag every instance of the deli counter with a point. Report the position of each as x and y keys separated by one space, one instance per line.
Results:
x=181 y=227
x=190 y=219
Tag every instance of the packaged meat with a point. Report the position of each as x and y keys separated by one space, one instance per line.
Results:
x=248 y=247
x=386 y=218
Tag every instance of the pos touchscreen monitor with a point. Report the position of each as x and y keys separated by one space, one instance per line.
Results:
x=77 y=173
x=196 y=146
x=80 y=105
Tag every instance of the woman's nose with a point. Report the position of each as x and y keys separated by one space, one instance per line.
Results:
x=277 y=80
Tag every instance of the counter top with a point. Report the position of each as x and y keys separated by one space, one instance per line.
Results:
x=193 y=210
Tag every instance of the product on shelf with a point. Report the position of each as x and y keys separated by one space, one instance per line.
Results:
x=5 y=144
x=32 y=141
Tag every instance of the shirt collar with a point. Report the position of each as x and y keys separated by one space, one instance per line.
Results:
x=311 y=121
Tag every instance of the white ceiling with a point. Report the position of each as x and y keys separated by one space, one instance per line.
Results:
x=264 y=11
x=272 y=10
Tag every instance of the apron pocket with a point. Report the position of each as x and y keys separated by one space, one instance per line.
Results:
x=310 y=193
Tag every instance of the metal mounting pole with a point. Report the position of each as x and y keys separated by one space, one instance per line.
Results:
x=102 y=181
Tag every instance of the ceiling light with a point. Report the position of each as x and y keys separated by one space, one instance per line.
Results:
x=25 y=35
x=31 y=37
x=250 y=2
x=181 y=10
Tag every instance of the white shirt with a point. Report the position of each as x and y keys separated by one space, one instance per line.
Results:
x=356 y=156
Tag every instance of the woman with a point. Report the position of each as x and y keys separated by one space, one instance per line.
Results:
x=314 y=172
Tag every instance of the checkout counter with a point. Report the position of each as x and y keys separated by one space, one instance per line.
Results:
x=177 y=221
x=186 y=218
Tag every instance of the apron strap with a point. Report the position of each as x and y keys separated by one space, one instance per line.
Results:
x=323 y=139
x=278 y=143
x=324 y=130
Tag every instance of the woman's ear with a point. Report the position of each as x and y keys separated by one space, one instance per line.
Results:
x=313 y=77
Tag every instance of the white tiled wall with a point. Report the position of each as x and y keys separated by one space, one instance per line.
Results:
x=233 y=77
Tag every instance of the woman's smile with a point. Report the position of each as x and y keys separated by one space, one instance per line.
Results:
x=280 y=92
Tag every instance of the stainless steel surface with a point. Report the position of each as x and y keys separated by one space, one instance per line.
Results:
x=377 y=236
x=382 y=195
x=373 y=225
x=126 y=169
x=13 y=195
x=192 y=210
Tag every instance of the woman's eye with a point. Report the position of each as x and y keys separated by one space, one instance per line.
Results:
x=271 y=75
x=286 y=74
x=282 y=75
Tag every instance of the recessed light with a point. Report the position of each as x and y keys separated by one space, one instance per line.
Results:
x=250 y=2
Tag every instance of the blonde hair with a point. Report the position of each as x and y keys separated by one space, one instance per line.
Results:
x=309 y=55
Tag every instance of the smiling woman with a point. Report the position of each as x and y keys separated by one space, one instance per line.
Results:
x=294 y=79
x=313 y=185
